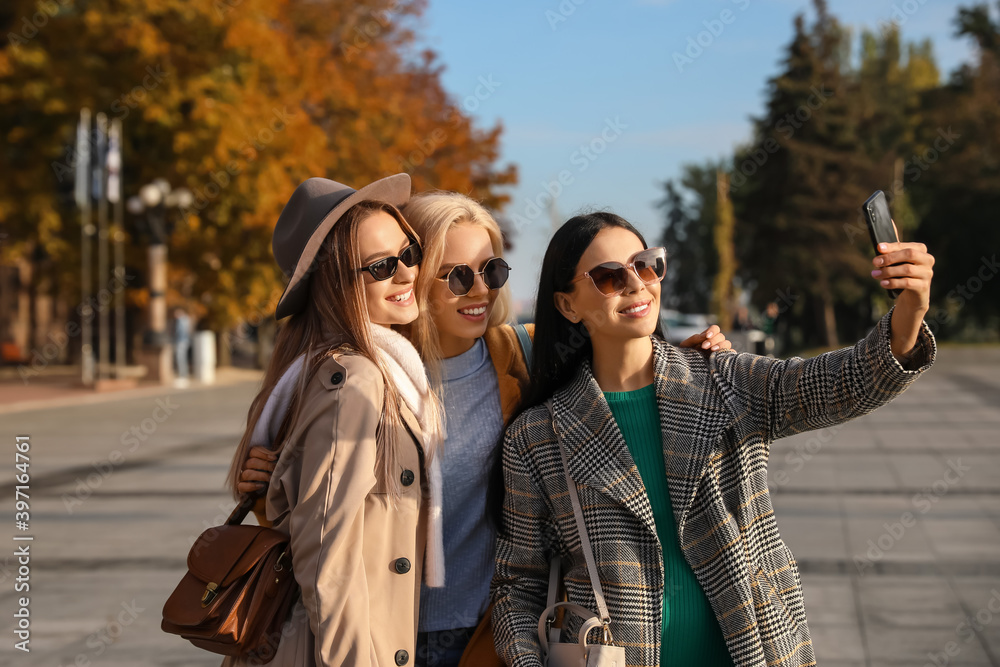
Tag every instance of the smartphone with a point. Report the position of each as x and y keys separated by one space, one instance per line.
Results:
x=880 y=225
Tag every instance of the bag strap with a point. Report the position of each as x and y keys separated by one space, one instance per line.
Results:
x=525 y=341
x=588 y=553
x=550 y=600
x=243 y=507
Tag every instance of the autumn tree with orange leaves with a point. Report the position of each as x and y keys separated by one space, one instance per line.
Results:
x=239 y=101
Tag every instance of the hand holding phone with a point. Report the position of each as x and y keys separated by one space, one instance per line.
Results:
x=880 y=226
x=905 y=270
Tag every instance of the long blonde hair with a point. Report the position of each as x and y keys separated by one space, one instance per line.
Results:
x=335 y=316
x=432 y=215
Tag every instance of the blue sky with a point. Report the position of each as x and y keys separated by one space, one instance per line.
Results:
x=559 y=74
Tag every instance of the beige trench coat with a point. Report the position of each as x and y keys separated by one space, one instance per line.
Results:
x=357 y=557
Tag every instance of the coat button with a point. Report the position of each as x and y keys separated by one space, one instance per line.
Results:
x=402 y=565
x=337 y=378
x=406 y=478
x=402 y=657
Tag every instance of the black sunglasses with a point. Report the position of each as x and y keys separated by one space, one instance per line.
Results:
x=461 y=277
x=385 y=268
x=611 y=278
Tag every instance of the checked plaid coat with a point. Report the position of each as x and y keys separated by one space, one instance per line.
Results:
x=718 y=416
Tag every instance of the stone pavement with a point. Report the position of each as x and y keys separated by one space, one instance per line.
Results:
x=56 y=386
x=119 y=491
x=894 y=520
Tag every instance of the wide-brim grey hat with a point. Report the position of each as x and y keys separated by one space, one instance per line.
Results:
x=308 y=217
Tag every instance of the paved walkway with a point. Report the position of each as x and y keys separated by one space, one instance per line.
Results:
x=894 y=520
x=60 y=386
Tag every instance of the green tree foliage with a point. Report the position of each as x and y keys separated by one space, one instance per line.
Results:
x=688 y=236
x=794 y=208
x=955 y=173
x=888 y=91
x=835 y=130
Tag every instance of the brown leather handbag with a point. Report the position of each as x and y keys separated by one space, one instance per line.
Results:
x=238 y=590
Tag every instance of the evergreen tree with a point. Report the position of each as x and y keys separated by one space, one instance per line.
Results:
x=955 y=171
x=832 y=134
x=689 y=209
x=797 y=187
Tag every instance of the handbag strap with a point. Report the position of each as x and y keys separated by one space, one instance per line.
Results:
x=588 y=553
x=550 y=600
x=244 y=505
x=525 y=341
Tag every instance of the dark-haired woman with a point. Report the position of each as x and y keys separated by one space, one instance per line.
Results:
x=668 y=451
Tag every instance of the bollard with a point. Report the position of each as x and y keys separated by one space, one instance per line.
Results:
x=204 y=356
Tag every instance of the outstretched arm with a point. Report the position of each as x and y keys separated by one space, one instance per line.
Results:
x=783 y=397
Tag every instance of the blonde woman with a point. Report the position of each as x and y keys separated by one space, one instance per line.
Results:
x=346 y=408
x=477 y=367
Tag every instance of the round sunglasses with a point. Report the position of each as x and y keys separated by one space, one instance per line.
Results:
x=386 y=267
x=611 y=278
x=461 y=277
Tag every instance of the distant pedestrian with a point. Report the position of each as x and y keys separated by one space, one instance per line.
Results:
x=182 y=341
x=770 y=317
x=769 y=325
x=742 y=321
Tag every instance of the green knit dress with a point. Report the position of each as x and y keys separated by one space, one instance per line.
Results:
x=690 y=632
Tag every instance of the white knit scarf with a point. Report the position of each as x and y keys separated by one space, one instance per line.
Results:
x=410 y=378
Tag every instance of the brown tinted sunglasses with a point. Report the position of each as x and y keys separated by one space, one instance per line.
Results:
x=611 y=278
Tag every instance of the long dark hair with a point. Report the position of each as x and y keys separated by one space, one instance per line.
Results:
x=560 y=347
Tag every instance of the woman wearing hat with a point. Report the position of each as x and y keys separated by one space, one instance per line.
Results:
x=346 y=407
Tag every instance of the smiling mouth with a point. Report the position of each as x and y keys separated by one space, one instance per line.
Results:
x=402 y=296
x=636 y=309
x=473 y=311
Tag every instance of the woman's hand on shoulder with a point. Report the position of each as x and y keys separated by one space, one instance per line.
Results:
x=710 y=340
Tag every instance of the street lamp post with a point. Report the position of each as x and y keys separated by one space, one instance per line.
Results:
x=155 y=200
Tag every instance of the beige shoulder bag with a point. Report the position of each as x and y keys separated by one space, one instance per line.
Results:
x=579 y=653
